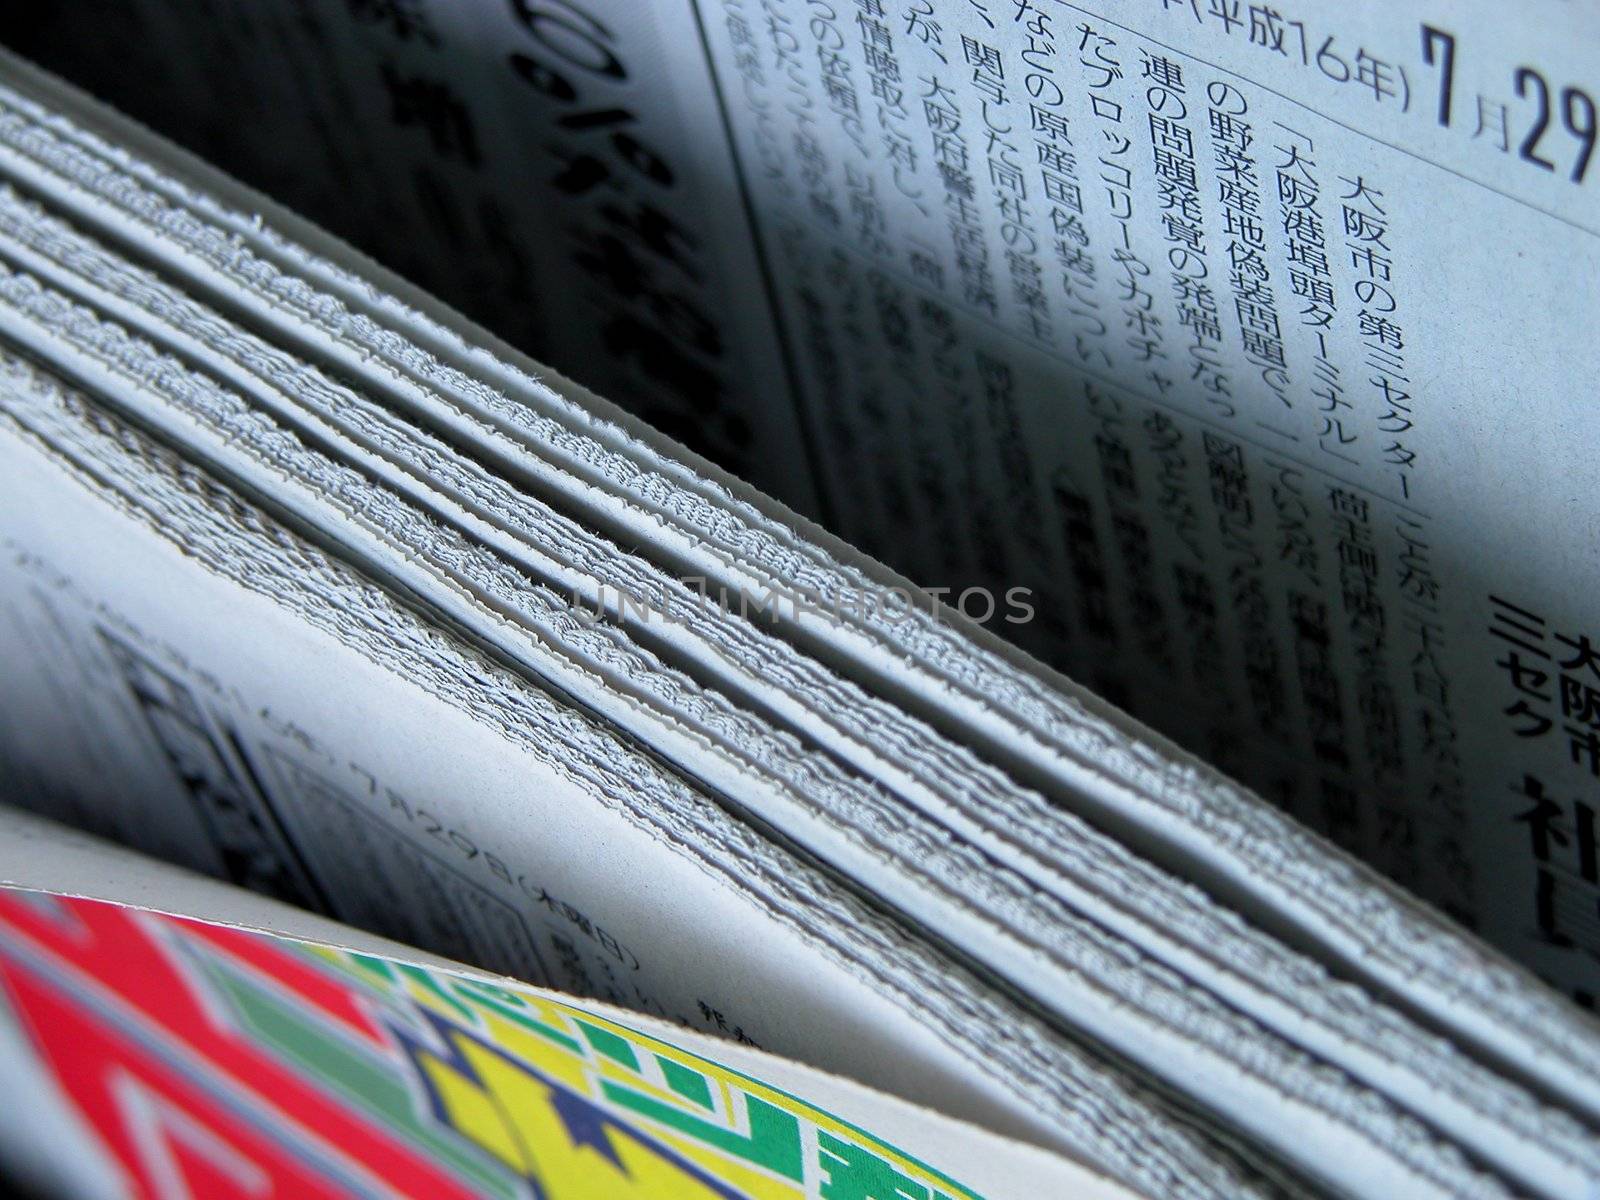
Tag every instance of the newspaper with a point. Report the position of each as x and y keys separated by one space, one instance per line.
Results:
x=308 y=582
x=1199 y=322
x=185 y=1038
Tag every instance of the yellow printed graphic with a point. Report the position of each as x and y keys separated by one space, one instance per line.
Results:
x=551 y=1135
x=580 y=1105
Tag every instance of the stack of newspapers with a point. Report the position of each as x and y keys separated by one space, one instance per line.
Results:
x=661 y=842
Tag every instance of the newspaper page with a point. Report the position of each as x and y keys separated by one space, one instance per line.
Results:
x=258 y=1051
x=1252 y=338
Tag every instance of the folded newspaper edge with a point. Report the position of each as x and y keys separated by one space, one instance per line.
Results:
x=709 y=906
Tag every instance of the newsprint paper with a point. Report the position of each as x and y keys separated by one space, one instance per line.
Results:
x=260 y=1051
x=1065 y=608
x=1254 y=341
